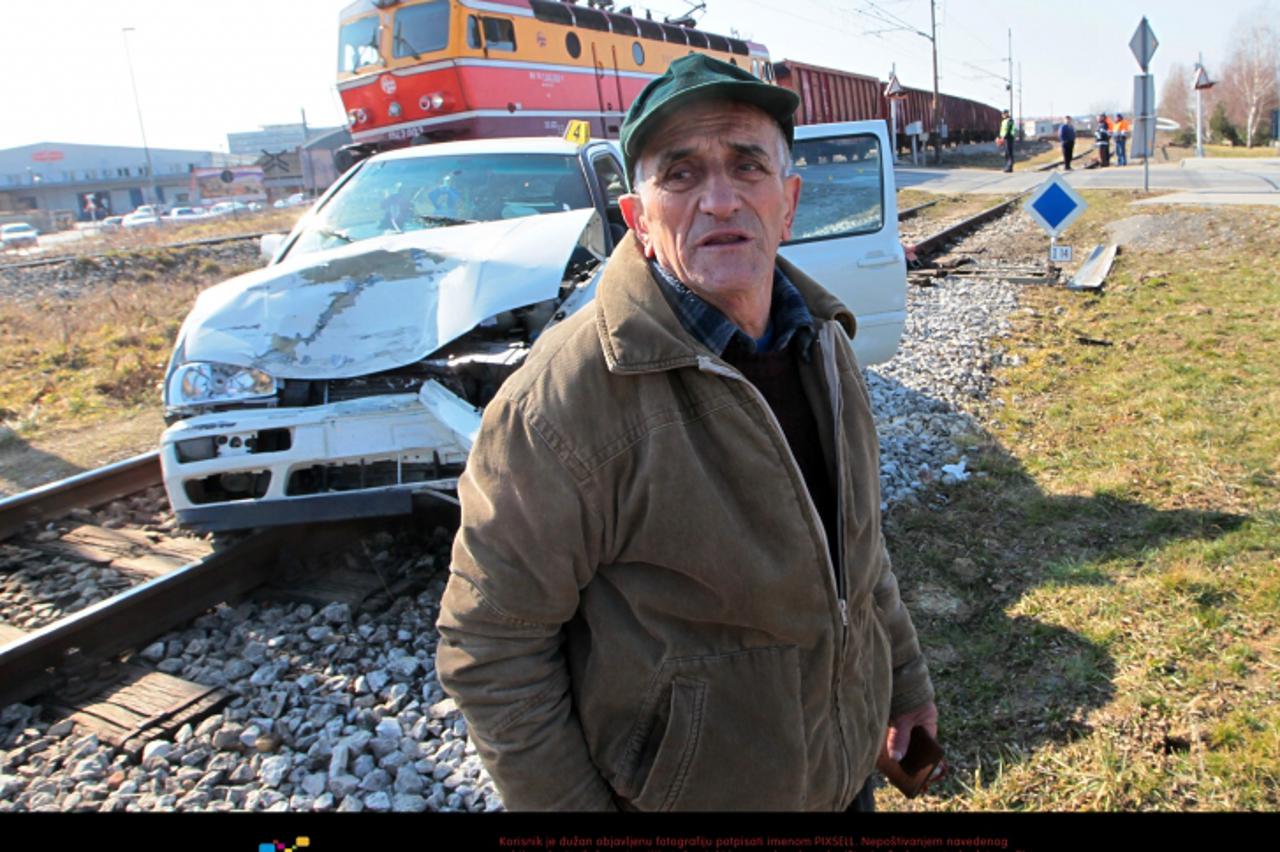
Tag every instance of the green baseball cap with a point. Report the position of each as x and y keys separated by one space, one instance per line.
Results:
x=695 y=77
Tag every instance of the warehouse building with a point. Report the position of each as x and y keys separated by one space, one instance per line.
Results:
x=55 y=184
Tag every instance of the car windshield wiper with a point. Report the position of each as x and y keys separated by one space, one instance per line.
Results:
x=445 y=220
x=336 y=234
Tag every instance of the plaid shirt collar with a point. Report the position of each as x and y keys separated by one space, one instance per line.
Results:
x=788 y=315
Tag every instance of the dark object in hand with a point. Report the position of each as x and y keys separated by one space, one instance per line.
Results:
x=922 y=764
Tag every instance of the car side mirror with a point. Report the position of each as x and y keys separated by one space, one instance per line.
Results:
x=271 y=244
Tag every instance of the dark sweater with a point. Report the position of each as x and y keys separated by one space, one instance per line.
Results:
x=777 y=376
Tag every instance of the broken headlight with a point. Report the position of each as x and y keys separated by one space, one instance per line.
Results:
x=205 y=383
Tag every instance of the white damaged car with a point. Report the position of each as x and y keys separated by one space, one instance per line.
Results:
x=347 y=378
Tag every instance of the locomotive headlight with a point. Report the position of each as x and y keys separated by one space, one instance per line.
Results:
x=206 y=383
x=394 y=110
x=437 y=100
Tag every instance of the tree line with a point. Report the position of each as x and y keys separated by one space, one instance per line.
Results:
x=1237 y=110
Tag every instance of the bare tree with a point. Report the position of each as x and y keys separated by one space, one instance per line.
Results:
x=1177 y=101
x=1249 y=79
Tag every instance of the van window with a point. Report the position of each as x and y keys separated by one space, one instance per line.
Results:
x=843 y=190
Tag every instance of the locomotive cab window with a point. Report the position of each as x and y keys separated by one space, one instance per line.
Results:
x=491 y=33
x=843 y=190
x=421 y=29
x=358 y=44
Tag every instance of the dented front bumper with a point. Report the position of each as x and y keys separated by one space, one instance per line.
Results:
x=358 y=458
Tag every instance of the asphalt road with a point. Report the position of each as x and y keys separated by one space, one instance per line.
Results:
x=1206 y=181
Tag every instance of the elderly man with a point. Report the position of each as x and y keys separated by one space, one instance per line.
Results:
x=670 y=590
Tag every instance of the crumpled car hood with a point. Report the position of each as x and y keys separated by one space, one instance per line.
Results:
x=380 y=303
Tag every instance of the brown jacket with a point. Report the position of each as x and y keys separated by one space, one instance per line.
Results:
x=642 y=609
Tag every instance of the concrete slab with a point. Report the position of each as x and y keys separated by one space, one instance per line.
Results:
x=1218 y=181
x=1270 y=199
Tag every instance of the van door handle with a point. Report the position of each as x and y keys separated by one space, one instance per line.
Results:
x=877 y=259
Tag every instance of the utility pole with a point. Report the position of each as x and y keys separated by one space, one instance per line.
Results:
x=151 y=172
x=1020 y=116
x=1011 y=112
x=937 y=102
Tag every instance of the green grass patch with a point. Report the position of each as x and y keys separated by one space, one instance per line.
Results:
x=1113 y=642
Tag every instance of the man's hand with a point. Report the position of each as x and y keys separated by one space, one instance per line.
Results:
x=899 y=736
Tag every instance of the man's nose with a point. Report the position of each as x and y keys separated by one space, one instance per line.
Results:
x=719 y=196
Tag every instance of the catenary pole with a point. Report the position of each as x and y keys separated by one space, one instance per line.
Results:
x=146 y=150
x=937 y=123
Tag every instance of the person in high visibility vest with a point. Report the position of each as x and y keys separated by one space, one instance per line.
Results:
x=1005 y=139
x=1102 y=138
x=1120 y=130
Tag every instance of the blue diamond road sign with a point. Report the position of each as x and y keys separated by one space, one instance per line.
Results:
x=1054 y=205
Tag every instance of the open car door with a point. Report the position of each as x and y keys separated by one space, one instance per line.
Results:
x=846 y=229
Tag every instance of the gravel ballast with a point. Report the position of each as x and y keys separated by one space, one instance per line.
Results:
x=340 y=710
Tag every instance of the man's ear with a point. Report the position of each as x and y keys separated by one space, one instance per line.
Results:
x=633 y=214
x=791 y=188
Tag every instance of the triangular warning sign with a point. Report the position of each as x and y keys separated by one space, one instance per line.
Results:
x=894 y=89
x=1202 y=79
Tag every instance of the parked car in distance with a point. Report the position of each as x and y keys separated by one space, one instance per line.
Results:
x=140 y=219
x=228 y=208
x=186 y=214
x=113 y=223
x=150 y=209
x=347 y=377
x=18 y=234
x=298 y=199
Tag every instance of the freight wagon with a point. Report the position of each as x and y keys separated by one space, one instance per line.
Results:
x=828 y=94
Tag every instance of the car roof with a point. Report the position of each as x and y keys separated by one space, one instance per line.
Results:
x=515 y=145
x=13 y=226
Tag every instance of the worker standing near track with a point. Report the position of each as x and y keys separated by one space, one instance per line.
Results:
x=1006 y=139
x=669 y=589
x=1067 y=136
x=1120 y=131
x=1102 y=138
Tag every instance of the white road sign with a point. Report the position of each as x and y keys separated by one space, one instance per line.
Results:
x=1143 y=141
x=1054 y=205
x=1143 y=44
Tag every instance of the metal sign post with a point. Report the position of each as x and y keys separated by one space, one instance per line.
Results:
x=1202 y=82
x=1054 y=205
x=1143 y=44
x=894 y=93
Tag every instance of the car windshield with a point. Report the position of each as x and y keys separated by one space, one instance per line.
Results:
x=409 y=194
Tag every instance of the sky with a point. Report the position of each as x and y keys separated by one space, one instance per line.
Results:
x=205 y=68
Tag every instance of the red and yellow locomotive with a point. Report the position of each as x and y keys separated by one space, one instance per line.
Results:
x=429 y=70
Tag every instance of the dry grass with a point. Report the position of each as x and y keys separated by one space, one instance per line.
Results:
x=1117 y=559
x=97 y=357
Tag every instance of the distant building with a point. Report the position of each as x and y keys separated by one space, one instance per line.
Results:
x=56 y=183
x=1047 y=128
x=293 y=157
